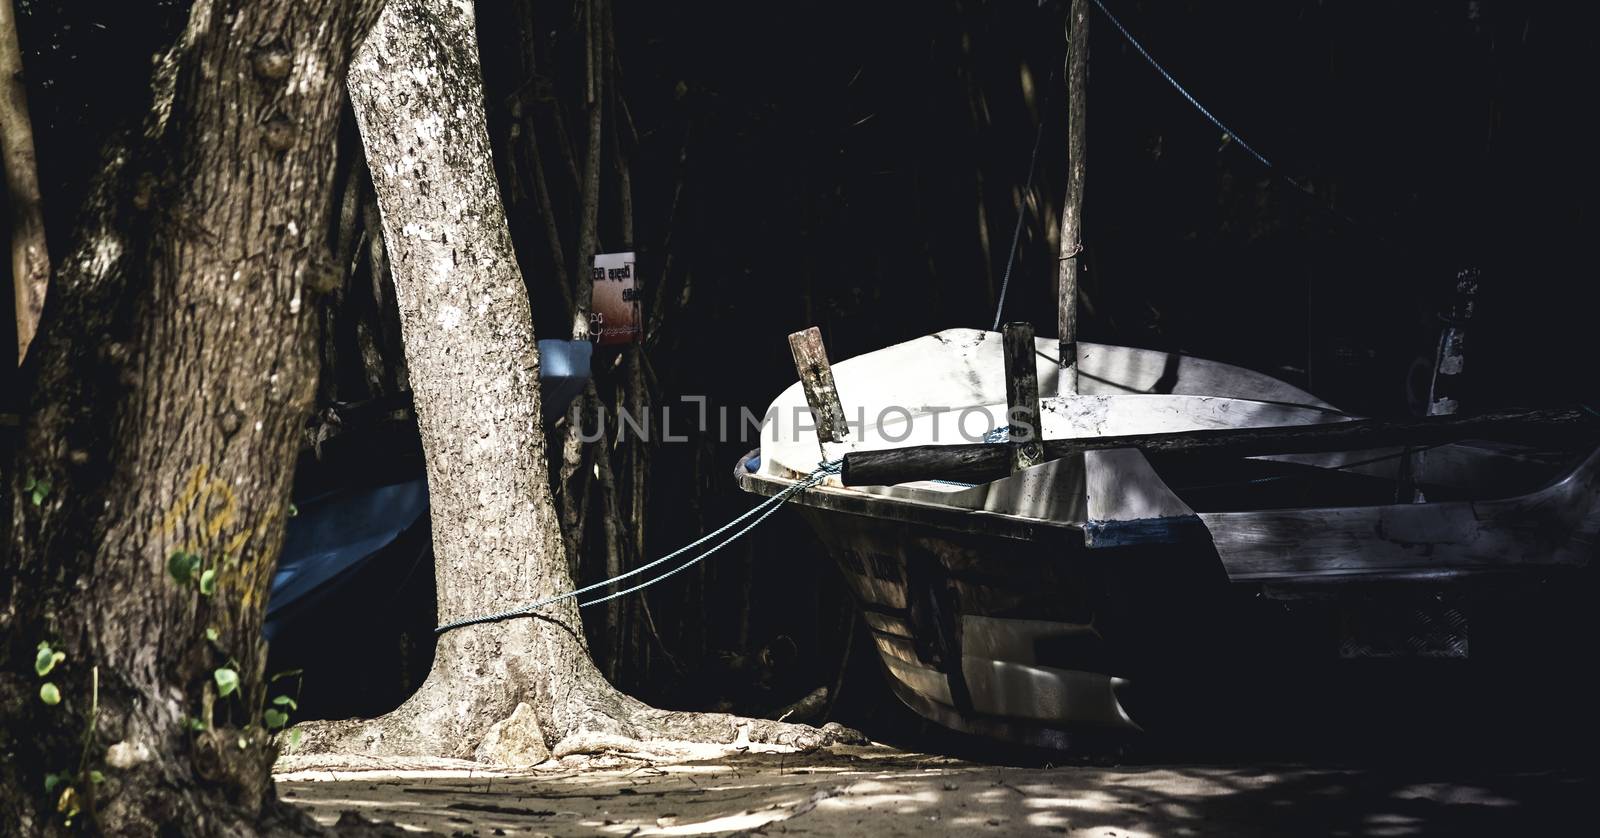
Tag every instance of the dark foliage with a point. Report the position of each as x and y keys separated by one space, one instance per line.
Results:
x=859 y=167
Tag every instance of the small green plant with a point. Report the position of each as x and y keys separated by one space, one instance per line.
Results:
x=47 y=659
x=227 y=681
x=272 y=715
x=45 y=662
x=191 y=569
x=277 y=715
x=184 y=567
x=38 y=488
x=70 y=802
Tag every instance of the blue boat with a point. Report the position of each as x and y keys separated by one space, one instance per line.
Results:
x=342 y=526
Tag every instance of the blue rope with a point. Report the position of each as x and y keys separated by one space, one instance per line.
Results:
x=1178 y=87
x=770 y=505
x=996 y=435
x=1307 y=191
x=1016 y=232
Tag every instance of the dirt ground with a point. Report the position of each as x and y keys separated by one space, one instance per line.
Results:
x=877 y=790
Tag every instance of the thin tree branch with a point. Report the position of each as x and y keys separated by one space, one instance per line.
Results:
x=582 y=272
x=589 y=209
x=535 y=160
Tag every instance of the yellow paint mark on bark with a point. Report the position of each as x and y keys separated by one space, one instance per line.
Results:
x=213 y=499
x=175 y=512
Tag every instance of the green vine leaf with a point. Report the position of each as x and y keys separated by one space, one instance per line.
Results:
x=208 y=582
x=96 y=777
x=212 y=634
x=49 y=694
x=38 y=489
x=275 y=719
x=178 y=567
x=285 y=701
x=196 y=725
x=294 y=738
x=47 y=659
x=52 y=780
x=227 y=681
x=183 y=566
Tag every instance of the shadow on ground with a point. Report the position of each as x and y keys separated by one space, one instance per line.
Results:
x=880 y=791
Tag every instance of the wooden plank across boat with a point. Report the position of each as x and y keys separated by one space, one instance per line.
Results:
x=1023 y=607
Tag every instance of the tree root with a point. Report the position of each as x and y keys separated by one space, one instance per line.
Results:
x=623 y=726
x=673 y=742
x=479 y=729
x=516 y=694
x=296 y=766
x=444 y=718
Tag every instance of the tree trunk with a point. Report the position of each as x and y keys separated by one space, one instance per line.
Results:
x=171 y=380
x=499 y=692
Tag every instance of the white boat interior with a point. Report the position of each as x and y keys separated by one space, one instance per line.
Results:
x=949 y=388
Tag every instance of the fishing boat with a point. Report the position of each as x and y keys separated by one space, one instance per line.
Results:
x=1035 y=607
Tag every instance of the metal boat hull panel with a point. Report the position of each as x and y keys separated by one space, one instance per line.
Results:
x=989 y=633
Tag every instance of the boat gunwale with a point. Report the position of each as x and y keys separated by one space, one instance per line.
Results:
x=906 y=510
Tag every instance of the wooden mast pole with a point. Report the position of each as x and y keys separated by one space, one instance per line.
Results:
x=1077 y=73
x=30 y=259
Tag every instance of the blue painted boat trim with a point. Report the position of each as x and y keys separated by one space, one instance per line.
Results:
x=1175 y=529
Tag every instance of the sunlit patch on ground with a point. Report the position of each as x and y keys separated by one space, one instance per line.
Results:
x=879 y=791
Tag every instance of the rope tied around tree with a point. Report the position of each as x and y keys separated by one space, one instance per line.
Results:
x=759 y=512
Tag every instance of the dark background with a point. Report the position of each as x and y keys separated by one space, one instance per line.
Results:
x=859 y=167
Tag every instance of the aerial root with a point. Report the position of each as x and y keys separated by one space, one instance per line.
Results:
x=657 y=735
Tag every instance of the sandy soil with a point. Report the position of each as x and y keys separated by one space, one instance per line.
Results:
x=880 y=791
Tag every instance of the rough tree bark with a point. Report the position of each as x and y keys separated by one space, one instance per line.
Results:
x=518 y=691
x=170 y=381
